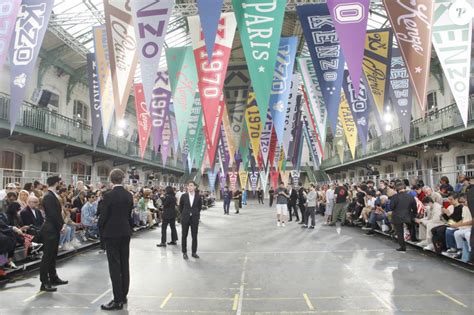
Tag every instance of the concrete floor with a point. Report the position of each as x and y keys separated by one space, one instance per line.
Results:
x=250 y=266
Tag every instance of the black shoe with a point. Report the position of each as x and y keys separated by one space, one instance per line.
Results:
x=185 y=256
x=370 y=232
x=161 y=245
x=331 y=224
x=112 y=305
x=301 y=223
x=195 y=256
x=304 y=226
x=58 y=281
x=172 y=243
x=401 y=249
x=46 y=287
x=311 y=227
x=125 y=301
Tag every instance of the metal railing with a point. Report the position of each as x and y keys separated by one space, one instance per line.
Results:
x=44 y=123
x=434 y=125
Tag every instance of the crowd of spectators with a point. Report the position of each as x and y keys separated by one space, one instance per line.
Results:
x=22 y=216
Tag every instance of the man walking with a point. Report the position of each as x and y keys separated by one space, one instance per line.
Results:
x=190 y=206
x=115 y=223
x=227 y=199
x=282 y=204
x=50 y=232
x=403 y=207
x=339 y=211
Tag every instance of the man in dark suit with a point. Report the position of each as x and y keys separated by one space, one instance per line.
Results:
x=50 y=231
x=190 y=206
x=403 y=212
x=115 y=222
x=292 y=203
x=470 y=204
x=31 y=216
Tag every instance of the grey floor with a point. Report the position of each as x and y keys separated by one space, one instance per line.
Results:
x=249 y=265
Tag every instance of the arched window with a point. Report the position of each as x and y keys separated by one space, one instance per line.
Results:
x=81 y=170
x=81 y=112
x=11 y=160
x=103 y=171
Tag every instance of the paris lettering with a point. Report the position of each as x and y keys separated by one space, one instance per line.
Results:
x=123 y=43
x=374 y=76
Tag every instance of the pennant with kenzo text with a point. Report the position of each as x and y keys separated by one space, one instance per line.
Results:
x=401 y=92
x=183 y=79
x=348 y=124
x=309 y=117
x=8 y=12
x=150 y=20
x=159 y=106
x=233 y=176
x=264 y=180
x=452 y=40
x=209 y=13
x=107 y=104
x=350 y=21
x=94 y=98
x=281 y=84
x=29 y=30
x=412 y=24
x=228 y=135
x=143 y=118
x=376 y=65
x=265 y=137
x=260 y=24
x=325 y=51
x=122 y=47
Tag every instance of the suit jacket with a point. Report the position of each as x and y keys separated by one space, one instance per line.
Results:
x=403 y=208
x=53 y=222
x=188 y=209
x=169 y=207
x=293 y=197
x=28 y=218
x=115 y=220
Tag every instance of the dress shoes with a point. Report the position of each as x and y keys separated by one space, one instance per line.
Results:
x=401 y=249
x=112 y=305
x=46 y=287
x=58 y=281
x=172 y=243
x=185 y=256
x=195 y=256
x=161 y=245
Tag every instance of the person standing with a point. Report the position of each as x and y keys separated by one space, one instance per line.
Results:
x=282 y=204
x=339 y=208
x=116 y=224
x=293 y=198
x=470 y=203
x=329 y=204
x=236 y=195
x=190 y=206
x=260 y=196
x=312 y=198
x=302 y=202
x=50 y=233
x=169 y=217
x=403 y=206
x=271 y=194
x=227 y=198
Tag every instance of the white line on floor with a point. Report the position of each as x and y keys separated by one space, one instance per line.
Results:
x=242 y=281
x=166 y=300
x=34 y=296
x=385 y=303
x=100 y=296
x=308 y=301
x=451 y=298
x=236 y=302
x=461 y=267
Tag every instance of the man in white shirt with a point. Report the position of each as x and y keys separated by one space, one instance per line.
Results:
x=329 y=204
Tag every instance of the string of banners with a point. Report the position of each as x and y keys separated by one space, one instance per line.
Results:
x=250 y=120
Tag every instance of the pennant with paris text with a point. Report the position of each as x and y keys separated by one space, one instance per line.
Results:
x=122 y=47
x=166 y=140
x=274 y=176
x=325 y=51
x=254 y=124
x=29 y=30
x=281 y=86
x=313 y=127
x=233 y=180
x=311 y=141
x=107 y=105
x=228 y=135
x=376 y=65
x=243 y=176
x=209 y=13
x=195 y=121
x=143 y=118
x=412 y=24
x=260 y=24
x=183 y=79
x=8 y=12
x=159 y=106
x=295 y=177
x=265 y=138
x=94 y=97
x=236 y=90
x=150 y=21
x=339 y=143
x=401 y=93
x=253 y=180
x=350 y=21
x=359 y=106
x=212 y=175
x=452 y=40
x=314 y=99
x=264 y=180
x=348 y=124
x=212 y=71
x=291 y=113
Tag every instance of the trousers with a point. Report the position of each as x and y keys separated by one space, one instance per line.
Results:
x=48 y=261
x=118 y=253
x=339 y=212
x=310 y=212
x=186 y=223
x=164 y=227
x=226 y=206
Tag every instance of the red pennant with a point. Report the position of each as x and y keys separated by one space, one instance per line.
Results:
x=143 y=118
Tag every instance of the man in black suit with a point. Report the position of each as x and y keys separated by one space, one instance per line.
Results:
x=31 y=216
x=470 y=204
x=115 y=222
x=403 y=207
x=190 y=206
x=50 y=231
x=292 y=203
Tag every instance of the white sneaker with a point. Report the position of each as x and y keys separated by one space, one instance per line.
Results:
x=429 y=247
x=278 y=223
x=75 y=243
x=68 y=246
x=61 y=248
x=283 y=224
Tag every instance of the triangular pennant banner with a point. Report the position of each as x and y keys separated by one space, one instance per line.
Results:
x=291 y=113
x=159 y=106
x=8 y=12
x=143 y=118
x=212 y=175
x=254 y=125
x=94 y=97
x=209 y=13
x=348 y=124
x=243 y=176
x=339 y=141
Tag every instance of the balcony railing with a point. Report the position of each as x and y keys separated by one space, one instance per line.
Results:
x=44 y=123
x=445 y=121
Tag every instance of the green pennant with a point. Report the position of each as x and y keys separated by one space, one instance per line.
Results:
x=199 y=145
x=260 y=23
x=194 y=127
x=183 y=78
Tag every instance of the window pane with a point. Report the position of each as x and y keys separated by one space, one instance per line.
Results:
x=470 y=161
x=18 y=162
x=7 y=159
x=44 y=166
x=53 y=167
x=460 y=160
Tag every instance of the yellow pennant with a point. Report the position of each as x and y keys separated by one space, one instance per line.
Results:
x=228 y=135
x=339 y=141
x=348 y=124
x=281 y=160
x=243 y=176
x=254 y=125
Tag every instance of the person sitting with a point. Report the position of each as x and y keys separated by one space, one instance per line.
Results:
x=379 y=213
x=88 y=217
x=464 y=224
x=463 y=235
x=369 y=207
x=451 y=214
x=31 y=215
x=146 y=216
x=67 y=239
x=431 y=220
